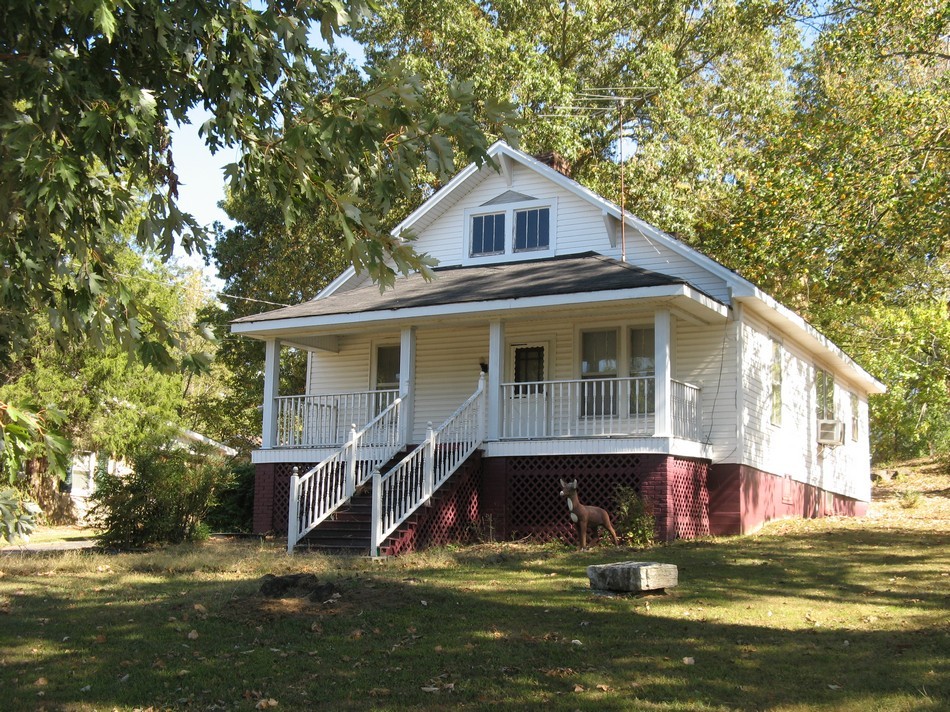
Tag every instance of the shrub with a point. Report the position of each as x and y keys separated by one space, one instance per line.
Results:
x=163 y=500
x=233 y=510
x=633 y=517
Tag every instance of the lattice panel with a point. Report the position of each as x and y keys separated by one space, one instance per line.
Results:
x=535 y=508
x=282 y=474
x=688 y=498
x=452 y=518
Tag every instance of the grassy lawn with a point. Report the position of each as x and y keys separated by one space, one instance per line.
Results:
x=835 y=614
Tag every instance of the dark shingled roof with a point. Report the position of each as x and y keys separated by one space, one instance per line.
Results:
x=569 y=274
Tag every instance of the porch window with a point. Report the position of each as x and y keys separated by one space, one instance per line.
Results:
x=598 y=363
x=642 y=365
x=532 y=229
x=488 y=234
x=824 y=394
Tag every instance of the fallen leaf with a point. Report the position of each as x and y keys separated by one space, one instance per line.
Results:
x=578 y=688
x=576 y=642
x=265 y=704
x=200 y=609
x=603 y=688
x=689 y=661
x=40 y=681
x=193 y=635
x=430 y=689
x=834 y=687
x=100 y=638
x=380 y=692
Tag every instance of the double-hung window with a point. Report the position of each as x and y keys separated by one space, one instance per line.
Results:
x=598 y=372
x=824 y=394
x=642 y=369
x=777 y=371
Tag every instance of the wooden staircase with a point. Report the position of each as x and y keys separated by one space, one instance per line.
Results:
x=347 y=531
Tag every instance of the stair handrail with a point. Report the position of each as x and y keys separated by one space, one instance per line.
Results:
x=412 y=482
x=316 y=494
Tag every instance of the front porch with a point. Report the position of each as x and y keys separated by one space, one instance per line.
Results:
x=564 y=411
x=550 y=386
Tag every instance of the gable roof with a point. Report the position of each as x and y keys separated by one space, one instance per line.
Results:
x=570 y=274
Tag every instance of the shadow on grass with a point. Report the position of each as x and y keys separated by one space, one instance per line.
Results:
x=478 y=627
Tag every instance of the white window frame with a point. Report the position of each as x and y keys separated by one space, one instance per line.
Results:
x=776 y=389
x=509 y=210
x=374 y=358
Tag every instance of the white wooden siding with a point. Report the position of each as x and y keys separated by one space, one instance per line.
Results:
x=580 y=228
x=448 y=365
x=792 y=449
x=706 y=356
x=346 y=371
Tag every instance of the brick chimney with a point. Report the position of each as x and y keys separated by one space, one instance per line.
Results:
x=556 y=161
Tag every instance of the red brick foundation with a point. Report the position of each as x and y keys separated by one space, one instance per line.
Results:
x=743 y=498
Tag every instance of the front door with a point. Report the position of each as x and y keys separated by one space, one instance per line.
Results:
x=528 y=411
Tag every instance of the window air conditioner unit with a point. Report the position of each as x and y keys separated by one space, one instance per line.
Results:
x=830 y=432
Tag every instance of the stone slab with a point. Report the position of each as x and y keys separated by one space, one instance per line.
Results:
x=633 y=576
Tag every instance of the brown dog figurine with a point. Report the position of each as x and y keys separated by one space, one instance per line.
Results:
x=584 y=516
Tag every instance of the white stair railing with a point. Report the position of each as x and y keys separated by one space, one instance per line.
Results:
x=410 y=484
x=316 y=494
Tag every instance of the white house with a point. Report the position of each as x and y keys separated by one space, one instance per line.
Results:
x=561 y=337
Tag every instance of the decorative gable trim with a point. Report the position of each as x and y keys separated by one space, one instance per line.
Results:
x=509 y=196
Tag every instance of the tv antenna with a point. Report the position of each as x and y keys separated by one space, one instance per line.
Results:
x=603 y=101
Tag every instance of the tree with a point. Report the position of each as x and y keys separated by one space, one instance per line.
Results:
x=105 y=399
x=89 y=91
x=844 y=211
x=698 y=81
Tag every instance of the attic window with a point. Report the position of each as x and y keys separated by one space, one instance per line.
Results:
x=532 y=229
x=525 y=230
x=488 y=234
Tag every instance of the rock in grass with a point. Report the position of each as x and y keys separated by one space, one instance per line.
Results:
x=633 y=576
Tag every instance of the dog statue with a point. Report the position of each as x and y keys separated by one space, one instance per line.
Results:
x=584 y=516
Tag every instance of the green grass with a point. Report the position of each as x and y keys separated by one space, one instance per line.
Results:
x=818 y=615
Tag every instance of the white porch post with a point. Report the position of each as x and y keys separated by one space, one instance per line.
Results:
x=663 y=334
x=407 y=381
x=271 y=387
x=496 y=361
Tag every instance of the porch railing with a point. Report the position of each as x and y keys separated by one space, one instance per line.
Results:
x=578 y=408
x=595 y=407
x=324 y=420
x=317 y=493
x=409 y=485
x=685 y=409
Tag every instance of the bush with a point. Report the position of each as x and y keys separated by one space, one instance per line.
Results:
x=234 y=509
x=163 y=500
x=633 y=517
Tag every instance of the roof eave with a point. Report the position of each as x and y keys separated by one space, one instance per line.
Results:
x=267 y=328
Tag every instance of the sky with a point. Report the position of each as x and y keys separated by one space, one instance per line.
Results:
x=201 y=174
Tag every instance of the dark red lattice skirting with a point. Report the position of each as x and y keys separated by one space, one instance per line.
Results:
x=452 y=517
x=520 y=495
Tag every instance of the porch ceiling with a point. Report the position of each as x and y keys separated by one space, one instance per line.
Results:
x=567 y=281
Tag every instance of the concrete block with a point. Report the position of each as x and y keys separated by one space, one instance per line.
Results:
x=633 y=576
